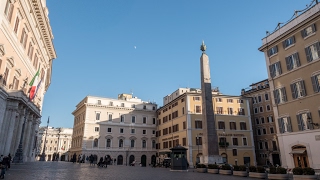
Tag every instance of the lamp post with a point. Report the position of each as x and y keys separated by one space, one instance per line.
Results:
x=18 y=158
x=43 y=155
x=225 y=144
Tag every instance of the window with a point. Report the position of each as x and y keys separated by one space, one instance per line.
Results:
x=144 y=131
x=259 y=99
x=132 y=143
x=153 y=144
x=198 y=109
x=109 y=130
x=144 y=107
x=218 y=99
x=274 y=145
x=24 y=37
x=96 y=129
x=35 y=64
x=110 y=103
x=288 y=42
x=280 y=95
x=182 y=100
x=241 y=111
x=108 y=143
x=198 y=140
x=266 y=145
x=169 y=117
x=144 y=120
x=229 y=100
x=255 y=110
x=30 y=51
x=292 y=61
x=275 y=69
x=261 y=109
x=271 y=130
x=110 y=117
x=260 y=145
x=121 y=130
x=298 y=89
x=170 y=144
x=230 y=110
x=221 y=125
x=304 y=121
x=244 y=140
x=270 y=119
x=268 y=108
x=255 y=100
x=169 y=129
x=99 y=102
x=313 y=51
x=15 y=83
x=243 y=126
x=9 y=9
x=153 y=108
x=272 y=51
x=97 y=115
x=133 y=131
x=16 y=26
x=235 y=141
x=120 y=142
x=308 y=31
x=234 y=152
x=133 y=106
x=196 y=98
x=266 y=97
x=258 y=132
x=182 y=110
x=122 y=118
x=95 y=142
x=198 y=124
x=122 y=104
x=184 y=141
x=219 y=110
x=240 y=101
x=153 y=132
x=262 y=120
x=316 y=83
x=185 y=126
x=233 y=126
x=264 y=131
x=144 y=144
x=153 y=120
x=285 y=124
x=133 y=119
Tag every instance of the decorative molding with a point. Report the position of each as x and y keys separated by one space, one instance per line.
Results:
x=10 y=62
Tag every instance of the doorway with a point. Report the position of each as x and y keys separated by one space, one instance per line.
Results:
x=143 y=160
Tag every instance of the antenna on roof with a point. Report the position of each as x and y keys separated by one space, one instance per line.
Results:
x=131 y=91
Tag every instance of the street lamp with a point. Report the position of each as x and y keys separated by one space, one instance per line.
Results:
x=18 y=158
x=43 y=155
x=225 y=144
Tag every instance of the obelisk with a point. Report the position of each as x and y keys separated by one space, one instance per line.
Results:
x=210 y=147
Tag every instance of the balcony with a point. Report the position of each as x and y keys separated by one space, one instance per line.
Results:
x=223 y=144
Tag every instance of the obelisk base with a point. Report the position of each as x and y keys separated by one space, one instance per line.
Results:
x=216 y=159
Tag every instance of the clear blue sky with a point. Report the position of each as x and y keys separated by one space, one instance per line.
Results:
x=95 y=40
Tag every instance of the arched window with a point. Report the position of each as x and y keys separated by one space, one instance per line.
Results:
x=108 y=143
x=153 y=144
x=95 y=142
x=144 y=144
x=132 y=143
x=121 y=143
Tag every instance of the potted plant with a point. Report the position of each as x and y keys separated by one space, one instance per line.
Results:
x=201 y=168
x=303 y=173
x=278 y=173
x=213 y=168
x=257 y=172
x=225 y=169
x=240 y=171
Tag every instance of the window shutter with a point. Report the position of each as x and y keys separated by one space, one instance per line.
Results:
x=276 y=96
x=275 y=49
x=280 y=122
x=293 y=90
x=300 y=123
x=303 y=89
x=309 y=121
x=284 y=44
x=293 y=39
x=296 y=57
x=308 y=54
x=318 y=48
x=315 y=84
x=271 y=70
x=303 y=33
x=283 y=90
x=314 y=29
x=279 y=67
x=289 y=124
x=289 y=64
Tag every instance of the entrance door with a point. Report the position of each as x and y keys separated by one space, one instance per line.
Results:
x=301 y=160
x=120 y=160
x=144 y=160
x=246 y=161
x=131 y=159
x=276 y=159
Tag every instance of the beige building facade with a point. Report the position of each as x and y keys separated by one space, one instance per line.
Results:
x=25 y=47
x=265 y=134
x=179 y=122
x=57 y=142
x=122 y=129
x=292 y=56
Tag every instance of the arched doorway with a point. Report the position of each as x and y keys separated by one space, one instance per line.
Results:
x=131 y=159
x=120 y=160
x=153 y=159
x=143 y=160
x=300 y=156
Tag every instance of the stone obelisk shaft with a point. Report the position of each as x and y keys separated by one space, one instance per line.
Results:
x=210 y=148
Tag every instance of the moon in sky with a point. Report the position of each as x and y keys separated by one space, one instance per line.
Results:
x=135 y=47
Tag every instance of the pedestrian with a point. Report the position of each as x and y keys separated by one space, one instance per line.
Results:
x=10 y=159
x=74 y=158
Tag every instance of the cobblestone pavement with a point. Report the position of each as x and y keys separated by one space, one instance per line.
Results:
x=70 y=171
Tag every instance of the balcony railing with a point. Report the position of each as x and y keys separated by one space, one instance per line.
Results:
x=223 y=144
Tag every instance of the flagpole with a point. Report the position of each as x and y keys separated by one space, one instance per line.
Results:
x=43 y=155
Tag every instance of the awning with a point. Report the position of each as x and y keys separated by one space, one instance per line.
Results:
x=298 y=151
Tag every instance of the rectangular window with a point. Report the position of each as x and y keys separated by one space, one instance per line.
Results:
x=170 y=144
x=153 y=132
x=270 y=119
x=271 y=130
x=122 y=118
x=153 y=120
x=110 y=103
x=184 y=141
x=260 y=145
x=144 y=107
x=24 y=38
x=134 y=131
x=264 y=131
x=266 y=97
x=261 y=109
x=9 y=9
x=272 y=51
x=196 y=98
x=313 y=51
x=169 y=129
x=316 y=83
x=198 y=109
x=144 y=131
x=274 y=145
x=258 y=132
x=233 y=126
x=221 y=125
x=243 y=126
x=121 y=130
x=235 y=141
x=266 y=145
x=198 y=140
x=288 y=42
x=245 y=143
x=292 y=61
x=275 y=69
x=229 y=100
x=96 y=129
x=268 y=108
x=109 y=130
x=285 y=124
x=133 y=119
x=241 y=111
x=308 y=31
x=304 y=121
x=257 y=121
x=218 y=99
x=110 y=117
x=122 y=104
x=15 y=83
x=144 y=120
x=262 y=120
x=230 y=110
x=97 y=115
x=255 y=110
x=259 y=99
x=298 y=89
x=280 y=95
x=198 y=124
x=234 y=152
x=240 y=101
x=219 y=110
x=16 y=26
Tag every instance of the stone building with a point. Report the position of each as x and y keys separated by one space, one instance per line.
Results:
x=179 y=121
x=26 y=48
x=121 y=129
x=265 y=132
x=292 y=54
x=57 y=142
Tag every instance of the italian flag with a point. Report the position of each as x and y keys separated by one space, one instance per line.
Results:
x=35 y=84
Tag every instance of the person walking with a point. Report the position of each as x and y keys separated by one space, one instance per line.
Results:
x=10 y=159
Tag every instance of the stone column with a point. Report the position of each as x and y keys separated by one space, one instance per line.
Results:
x=10 y=129
x=30 y=153
x=19 y=130
x=15 y=139
x=6 y=128
x=27 y=137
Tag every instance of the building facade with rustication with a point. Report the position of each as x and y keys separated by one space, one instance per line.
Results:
x=25 y=47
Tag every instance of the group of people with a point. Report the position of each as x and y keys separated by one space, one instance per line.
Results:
x=5 y=162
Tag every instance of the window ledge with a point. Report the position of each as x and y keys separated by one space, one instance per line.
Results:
x=273 y=55
x=289 y=47
x=312 y=34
